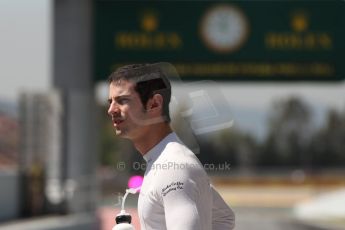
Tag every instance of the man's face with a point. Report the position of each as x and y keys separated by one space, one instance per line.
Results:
x=126 y=110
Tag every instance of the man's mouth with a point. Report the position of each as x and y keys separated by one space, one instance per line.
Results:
x=117 y=121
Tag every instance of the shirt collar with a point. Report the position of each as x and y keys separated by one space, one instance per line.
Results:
x=154 y=153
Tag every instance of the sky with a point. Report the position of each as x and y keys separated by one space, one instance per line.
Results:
x=26 y=64
x=25 y=51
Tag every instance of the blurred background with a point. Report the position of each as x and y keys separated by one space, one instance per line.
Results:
x=258 y=95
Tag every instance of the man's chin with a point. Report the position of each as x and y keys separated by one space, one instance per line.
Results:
x=121 y=133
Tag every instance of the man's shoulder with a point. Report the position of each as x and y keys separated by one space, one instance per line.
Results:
x=178 y=152
x=176 y=146
x=181 y=162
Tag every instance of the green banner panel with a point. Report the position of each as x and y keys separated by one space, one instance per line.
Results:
x=224 y=40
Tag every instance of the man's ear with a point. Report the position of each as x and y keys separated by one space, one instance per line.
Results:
x=156 y=102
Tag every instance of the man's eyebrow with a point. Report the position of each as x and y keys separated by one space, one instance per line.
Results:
x=122 y=96
x=119 y=97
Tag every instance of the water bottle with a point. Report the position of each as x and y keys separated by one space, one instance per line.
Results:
x=124 y=219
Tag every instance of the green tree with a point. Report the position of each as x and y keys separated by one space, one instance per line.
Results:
x=328 y=144
x=109 y=146
x=290 y=128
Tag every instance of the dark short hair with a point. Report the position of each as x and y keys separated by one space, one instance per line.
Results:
x=149 y=80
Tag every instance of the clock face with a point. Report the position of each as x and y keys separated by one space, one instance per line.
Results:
x=224 y=28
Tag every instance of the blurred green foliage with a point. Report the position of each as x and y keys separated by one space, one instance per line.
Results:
x=292 y=141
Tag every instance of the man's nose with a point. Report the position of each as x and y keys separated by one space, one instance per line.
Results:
x=113 y=109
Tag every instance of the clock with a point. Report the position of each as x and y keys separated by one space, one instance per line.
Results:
x=224 y=28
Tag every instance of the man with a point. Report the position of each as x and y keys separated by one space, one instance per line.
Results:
x=176 y=193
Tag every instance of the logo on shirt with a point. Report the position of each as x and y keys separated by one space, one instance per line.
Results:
x=174 y=186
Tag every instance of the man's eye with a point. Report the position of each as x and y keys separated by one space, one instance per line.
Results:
x=110 y=101
x=123 y=101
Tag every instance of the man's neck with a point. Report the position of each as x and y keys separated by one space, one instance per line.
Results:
x=147 y=142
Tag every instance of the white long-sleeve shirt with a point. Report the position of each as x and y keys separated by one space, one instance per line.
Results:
x=176 y=193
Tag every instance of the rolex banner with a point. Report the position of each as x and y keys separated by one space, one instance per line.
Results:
x=225 y=40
